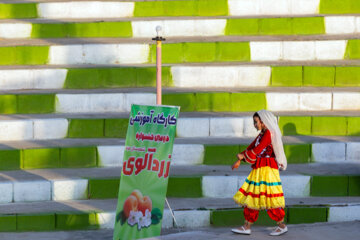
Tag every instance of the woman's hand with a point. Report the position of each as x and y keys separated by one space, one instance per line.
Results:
x=281 y=167
x=236 y=165
x=240 y=156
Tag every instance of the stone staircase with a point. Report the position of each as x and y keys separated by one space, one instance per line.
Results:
x=69 y=71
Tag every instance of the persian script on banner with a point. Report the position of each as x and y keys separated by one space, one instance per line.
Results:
x=145 y=171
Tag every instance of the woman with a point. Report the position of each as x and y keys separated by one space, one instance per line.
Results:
x=262 y=188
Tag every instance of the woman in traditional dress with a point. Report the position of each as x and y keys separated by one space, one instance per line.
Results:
x=262 y=188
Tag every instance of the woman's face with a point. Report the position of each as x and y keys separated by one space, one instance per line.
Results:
x=258 y=124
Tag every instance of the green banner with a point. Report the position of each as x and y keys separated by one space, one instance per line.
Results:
x=144 y=178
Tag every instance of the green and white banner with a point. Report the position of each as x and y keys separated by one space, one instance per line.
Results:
x=143 y=184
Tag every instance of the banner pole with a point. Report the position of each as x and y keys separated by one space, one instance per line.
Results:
x=172 y=212
x=158 y=40
x=158 y=72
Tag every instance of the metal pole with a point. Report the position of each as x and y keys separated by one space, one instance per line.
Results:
x=158 y=40
x=158 y=72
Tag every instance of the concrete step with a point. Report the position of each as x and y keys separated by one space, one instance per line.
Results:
x=196 y=126
x=211 y=77
x=145 y=28
x=332 y=231
x=93 y=214
x=176 y=204
x=115 y=100
x=86 y=9
x=175 y=90
x=108 y=152
x=182 y=52
x=120 y=115
x=176 y=39
x=300 y=180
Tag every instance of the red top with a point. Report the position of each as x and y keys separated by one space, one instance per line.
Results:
x=261 y=147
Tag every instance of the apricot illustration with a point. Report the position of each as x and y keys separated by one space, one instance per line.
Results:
x=136 y=193
x=130 y=204
x=145 y=203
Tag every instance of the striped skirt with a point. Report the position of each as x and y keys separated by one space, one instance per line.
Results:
x=262 y=188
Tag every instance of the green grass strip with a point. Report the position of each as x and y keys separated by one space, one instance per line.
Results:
x=86 y=128
x=186 y=101
x=7 y=223
x=308 y=25
x=171 y=53
x=8 y=104
x=103 y=188
x=36 y=222
x=354 y=186
x=298 y=153
x=339 y=7
x=247 y=102
x=233 y=51
x=10 y=159
x=246 y=26
x=78 y=157
x=338 y=126
x=213 y=7
x=353 y=126
x=233 y=217
x=213 y=102
x=275 y=26
x=202 y=52
x=286 y=76
x=292 y=76
x=226 y=217
x=40 y=158
x=76 y=221
x=8 y=55
x=24 y=55
x=81 y=30
x=163 y=8
x=216 y=102
x=315 y=76
x=49 y=30
x=353 y=49
x=27 y=104
x=18 y=10
x=185 y=187
x=226 y=154
x=307 y=125
x=220 y=154
x=44 y=103
x=31 y=55
x=293 y=125
x=181 y=8
x=116 y=128
x=298 y=215
x=91 y=78
x=347 y=77
x=329 y=186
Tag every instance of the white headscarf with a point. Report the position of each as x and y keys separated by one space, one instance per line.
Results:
x=270 y=122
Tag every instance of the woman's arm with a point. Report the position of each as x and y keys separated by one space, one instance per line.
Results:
x=251 y=153
x=241 y=156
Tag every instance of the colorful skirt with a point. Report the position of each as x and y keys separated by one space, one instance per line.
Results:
x=262 y=188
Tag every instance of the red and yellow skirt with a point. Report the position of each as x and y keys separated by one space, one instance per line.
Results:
x=262 y=188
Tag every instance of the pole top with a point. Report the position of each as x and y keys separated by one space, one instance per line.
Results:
x=158 y=34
